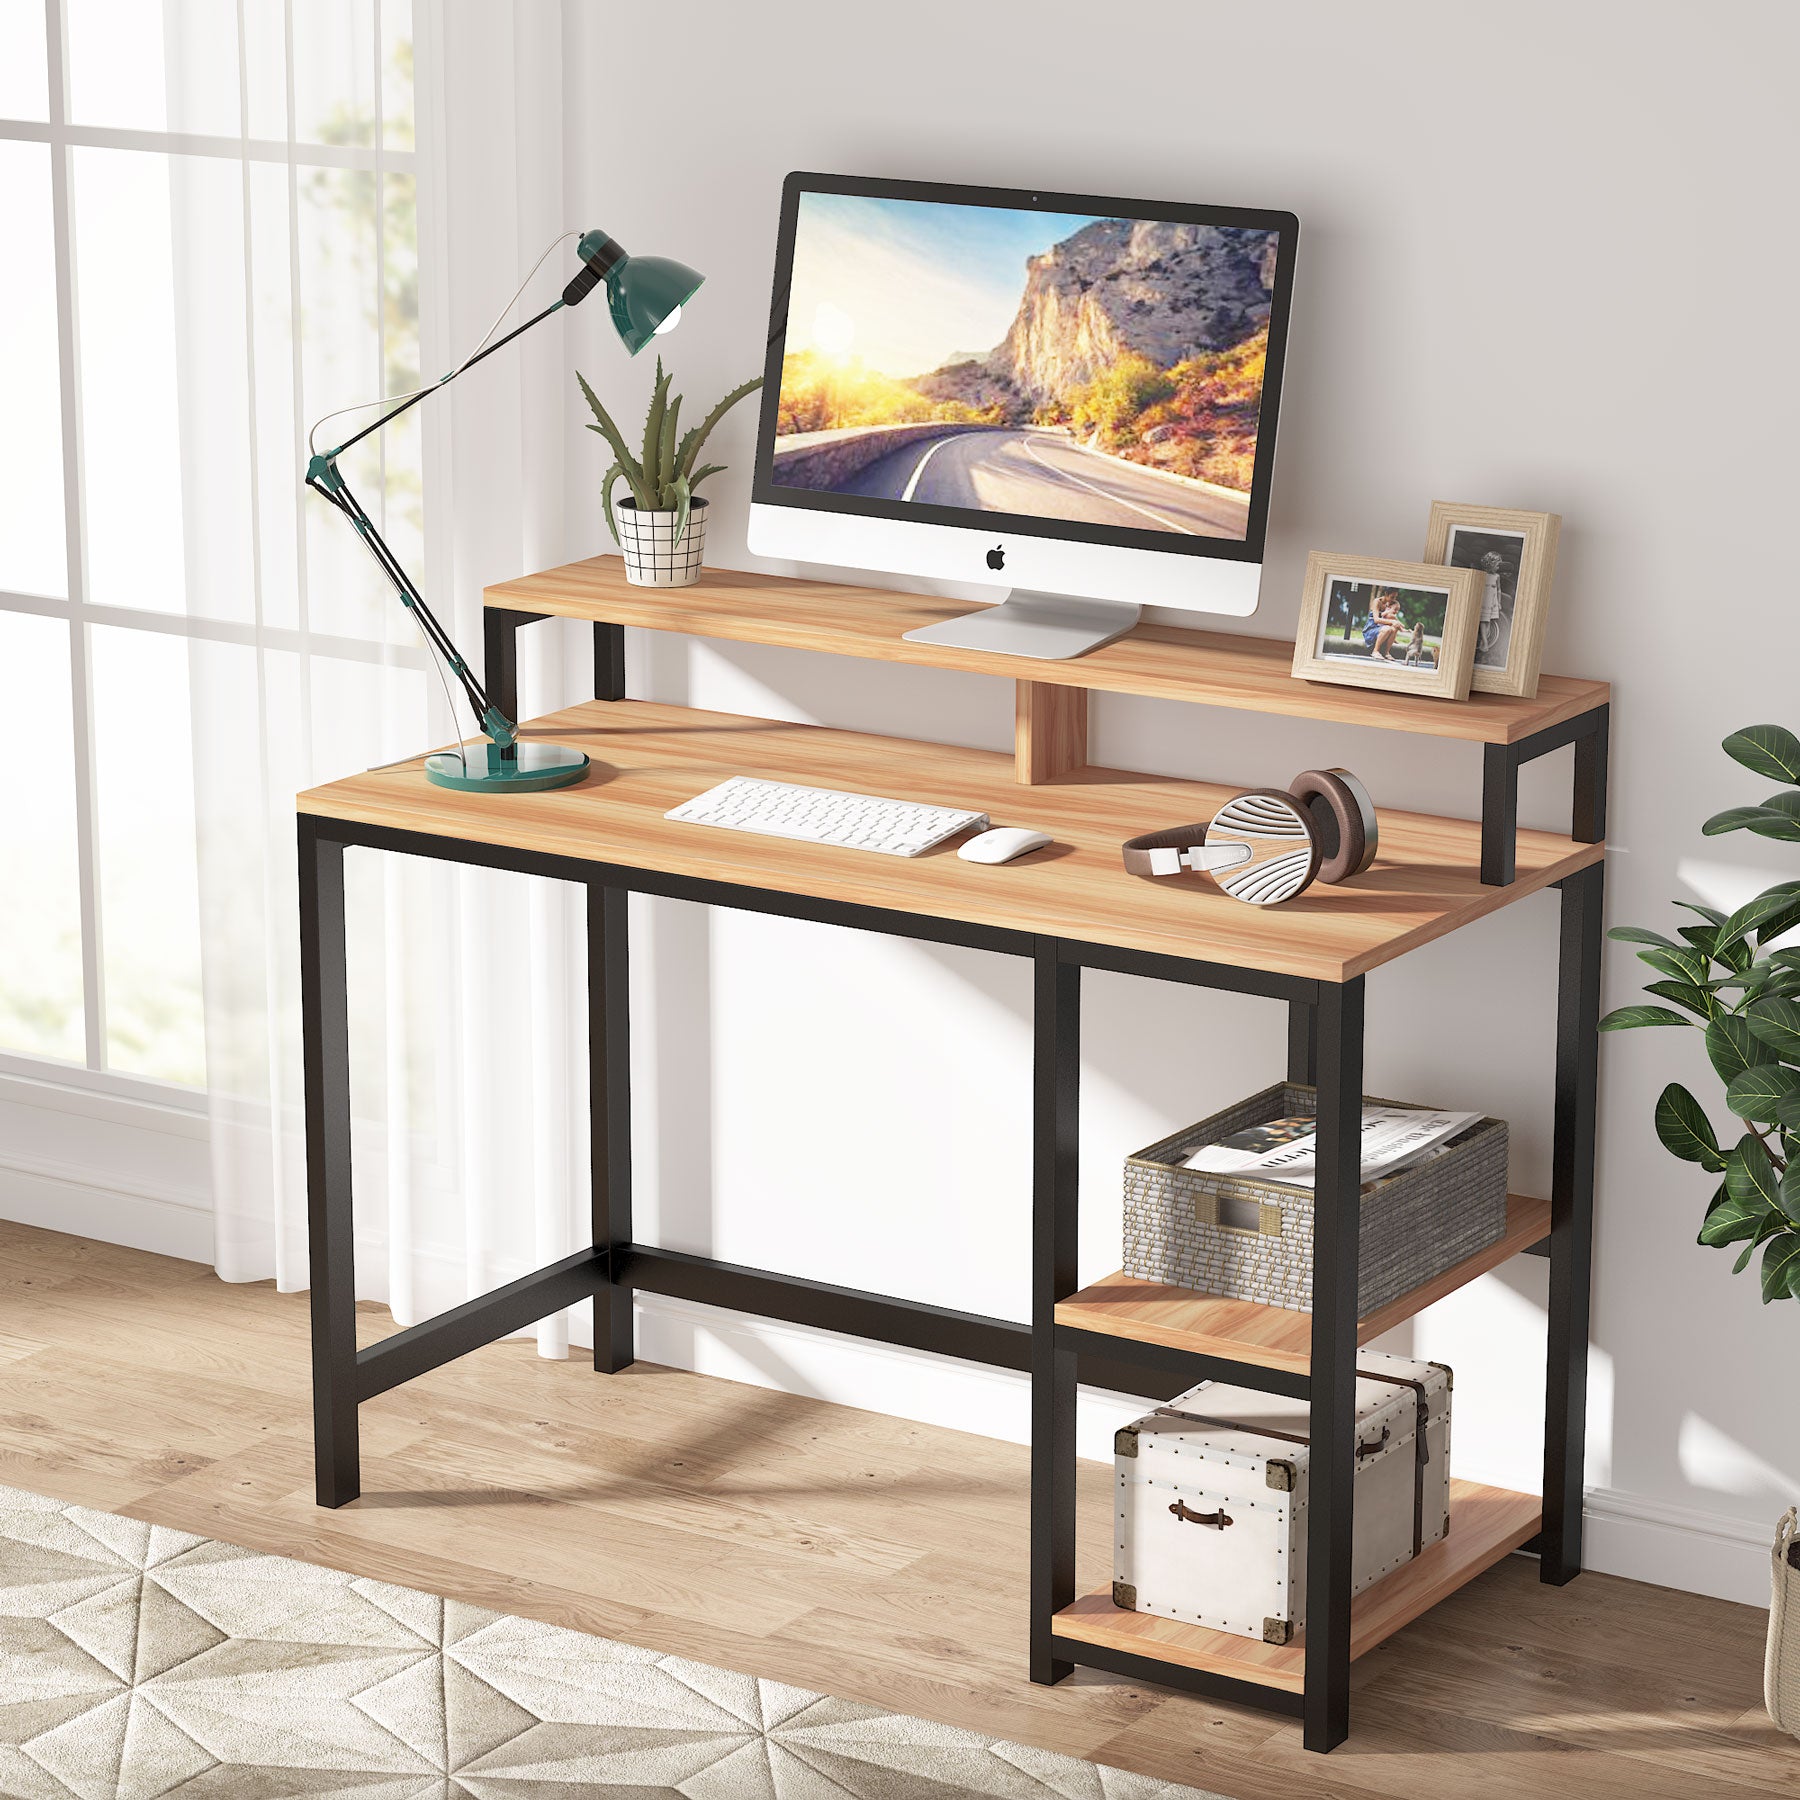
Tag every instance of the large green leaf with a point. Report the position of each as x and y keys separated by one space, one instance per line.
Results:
x=1781 y=1268
x=1640 y=934
x=1787 y=801
x=1731 y=1220
x=1684 y=993
x=1685 y=1130
x=1681 y=962
x=1759 y=914
x=1787 y=1193
x=608 y=482
x=1787 y=1113
x=1770 y=750
x=1759 y=1092
x=1732 y=1046
x=1750 y=1175
x=1765 y=821
x=1626 y=1018
x=1710 y=913
x=1777 y=1024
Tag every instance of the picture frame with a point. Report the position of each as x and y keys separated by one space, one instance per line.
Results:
x=1371 y=621
x=1516 y=553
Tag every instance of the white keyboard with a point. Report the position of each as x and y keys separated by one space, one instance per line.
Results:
x=826 y=816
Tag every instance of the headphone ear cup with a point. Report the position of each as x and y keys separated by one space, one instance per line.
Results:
x=1282 y=841
x=1353 y=814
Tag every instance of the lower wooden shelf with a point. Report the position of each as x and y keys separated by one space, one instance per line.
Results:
x=1273 y=1337
x=1486 y=1523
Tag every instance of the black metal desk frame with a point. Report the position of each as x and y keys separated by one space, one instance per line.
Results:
x=1325 y=1047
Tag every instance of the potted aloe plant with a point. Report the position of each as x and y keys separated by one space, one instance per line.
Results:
x=661 y=529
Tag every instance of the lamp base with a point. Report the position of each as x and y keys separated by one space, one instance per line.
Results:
x=482 y=768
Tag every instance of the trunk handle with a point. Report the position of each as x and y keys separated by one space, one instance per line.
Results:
x=1217 y=1520
x=1375 y=1448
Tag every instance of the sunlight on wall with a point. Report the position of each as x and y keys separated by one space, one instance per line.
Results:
x=1711 y=1460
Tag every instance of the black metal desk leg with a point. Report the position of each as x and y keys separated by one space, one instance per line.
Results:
x=609 y=1112
x=500 y=654
x=1303 y=1042
x=1056 y=1081
x=1332 y=1463
x=1499 y=814
x=1587 y=818
x=325 y=1057
x=1571 y=1223
x=609 y=662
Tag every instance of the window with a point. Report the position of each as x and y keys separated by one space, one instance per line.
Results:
x=211 y=230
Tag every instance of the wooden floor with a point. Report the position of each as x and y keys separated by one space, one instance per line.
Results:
x=838 y=1550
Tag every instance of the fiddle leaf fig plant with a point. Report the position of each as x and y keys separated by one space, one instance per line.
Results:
x=1726 y=978
x=663 y=478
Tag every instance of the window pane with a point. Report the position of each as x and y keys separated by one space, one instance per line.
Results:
x=131 y=415
x=24 y=84
x=31 y=478
x=167 y=67
x=149 y=891
x=397 y=74
x=40 y=912
x=334 y=72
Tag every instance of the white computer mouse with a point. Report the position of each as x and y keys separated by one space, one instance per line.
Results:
x=1002 y=845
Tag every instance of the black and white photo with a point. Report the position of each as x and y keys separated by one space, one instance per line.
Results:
x=1515 y=555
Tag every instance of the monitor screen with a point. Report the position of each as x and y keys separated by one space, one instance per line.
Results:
x=1092 y=369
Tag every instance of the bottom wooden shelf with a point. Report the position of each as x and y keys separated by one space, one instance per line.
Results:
x=1486 y=1524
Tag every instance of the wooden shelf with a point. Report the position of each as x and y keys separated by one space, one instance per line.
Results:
x=1273 y=1337
x=1486 y=1524
x=1207 y=668
x=649 y=757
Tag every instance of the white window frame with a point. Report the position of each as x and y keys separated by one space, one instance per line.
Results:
x=92 y=1076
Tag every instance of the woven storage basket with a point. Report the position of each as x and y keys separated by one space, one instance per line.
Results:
x=1781 y=1673
x=1253 y=1240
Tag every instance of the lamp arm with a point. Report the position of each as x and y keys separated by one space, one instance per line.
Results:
x=324 y=476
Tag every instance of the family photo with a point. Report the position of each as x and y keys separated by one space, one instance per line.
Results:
x=1399 y=626
x=1498 y=555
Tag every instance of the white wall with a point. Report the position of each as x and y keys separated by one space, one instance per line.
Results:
x=1542 y=265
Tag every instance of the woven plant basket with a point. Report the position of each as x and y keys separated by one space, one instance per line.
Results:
x=1781 y=1673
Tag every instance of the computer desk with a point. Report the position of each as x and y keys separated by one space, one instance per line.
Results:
x=1064 y=909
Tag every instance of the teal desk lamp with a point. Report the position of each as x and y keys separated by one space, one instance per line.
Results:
x=645 y=295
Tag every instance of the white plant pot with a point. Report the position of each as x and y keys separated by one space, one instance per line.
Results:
x=653 y=556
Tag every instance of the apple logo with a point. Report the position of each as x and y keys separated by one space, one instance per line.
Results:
x=996 y=557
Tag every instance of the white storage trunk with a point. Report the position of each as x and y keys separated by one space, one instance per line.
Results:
x=1212 y=1497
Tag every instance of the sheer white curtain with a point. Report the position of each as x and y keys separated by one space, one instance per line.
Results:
x=467 y=1060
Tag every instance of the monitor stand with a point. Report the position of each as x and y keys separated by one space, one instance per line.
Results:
x=1047 y=626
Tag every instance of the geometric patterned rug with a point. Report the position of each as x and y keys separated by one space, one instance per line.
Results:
x=136 y=1662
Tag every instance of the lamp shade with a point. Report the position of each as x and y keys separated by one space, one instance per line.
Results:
x=643 y=292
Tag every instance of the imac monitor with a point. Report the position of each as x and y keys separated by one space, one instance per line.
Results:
x=1068 y=397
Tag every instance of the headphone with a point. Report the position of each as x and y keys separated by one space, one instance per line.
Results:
x=1265 y=846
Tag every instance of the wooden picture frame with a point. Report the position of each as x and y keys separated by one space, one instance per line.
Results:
x=1346 y=636
x=1516 y=554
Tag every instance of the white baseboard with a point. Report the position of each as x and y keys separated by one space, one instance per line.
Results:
x=57 y=1196
x=1678 y=1546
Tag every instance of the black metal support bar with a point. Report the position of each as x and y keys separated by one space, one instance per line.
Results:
x=1571 y=1221
x=1187 y=970
x=1500 y=765
x=500 y=654
x=325 y=1060
x=879 y=1317
x=1177 y=1675
x=1337 y=1211
x=609 y=1113
x=890 y=922
x=1056 y=1083
x=609 y=662
x=477 y=1322
x=1160 y=1367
